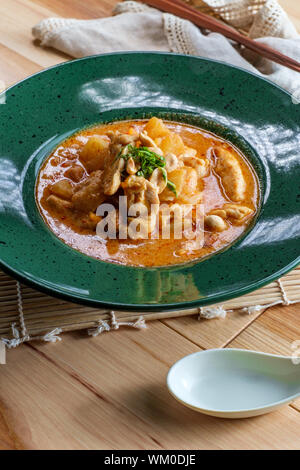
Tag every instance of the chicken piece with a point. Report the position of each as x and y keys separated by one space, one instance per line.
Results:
x=201 y=165
x=59 y=205
x=237 y=212
x=134 y=187
x=112 y=176
x=119 y=142
x=143 y=206
x=139 y=190
x=75 y=173
x=123 y=139
x=151 y=197
x=234 y=212
x=228 y=168
x=220 y=213
x=62 y=189
x=214 y=223
x=115 y=149
x=89 y=194
x=171 y=162
x=141 y=224
x=94 y=153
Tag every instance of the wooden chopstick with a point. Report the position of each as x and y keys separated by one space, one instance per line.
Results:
x=179 y=8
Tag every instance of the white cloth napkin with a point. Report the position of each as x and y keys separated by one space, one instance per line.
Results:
x=136 y=26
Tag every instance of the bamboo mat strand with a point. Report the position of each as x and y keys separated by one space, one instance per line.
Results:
x=43 y=313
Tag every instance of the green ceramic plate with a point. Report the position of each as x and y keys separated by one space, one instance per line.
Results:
x=257 y=116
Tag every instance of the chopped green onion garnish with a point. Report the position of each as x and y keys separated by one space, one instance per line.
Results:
x=172 y=187
x=148 y=161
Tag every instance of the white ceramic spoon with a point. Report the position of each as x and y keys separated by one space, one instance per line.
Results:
x=234 y=383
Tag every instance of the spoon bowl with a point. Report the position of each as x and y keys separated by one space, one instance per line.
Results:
x=234 y=383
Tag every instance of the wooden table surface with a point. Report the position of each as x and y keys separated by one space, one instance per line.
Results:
x=109 y=392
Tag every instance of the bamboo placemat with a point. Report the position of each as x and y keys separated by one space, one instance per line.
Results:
x=34 y=315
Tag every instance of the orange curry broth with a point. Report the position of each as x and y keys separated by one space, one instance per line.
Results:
x=150 y=252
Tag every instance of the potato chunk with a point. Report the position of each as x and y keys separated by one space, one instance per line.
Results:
x=94 y=153
x=228 y=168
x=89 y=194
x=177 y=177
x=156 y=128
x=172 y=143
x=186 y=182
x=62 y=189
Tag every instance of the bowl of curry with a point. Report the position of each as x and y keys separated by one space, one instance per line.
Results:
x=148 y=181
x=155 y=164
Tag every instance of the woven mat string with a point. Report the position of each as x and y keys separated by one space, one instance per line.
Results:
x=17 y=338
x=20 y=334
x=115 y=325
x=285 y=299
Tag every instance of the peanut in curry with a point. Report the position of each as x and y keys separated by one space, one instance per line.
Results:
x=151 y=162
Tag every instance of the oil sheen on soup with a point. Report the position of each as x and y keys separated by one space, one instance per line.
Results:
x=170 y=169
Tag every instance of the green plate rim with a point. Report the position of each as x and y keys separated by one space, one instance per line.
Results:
x=81 y=299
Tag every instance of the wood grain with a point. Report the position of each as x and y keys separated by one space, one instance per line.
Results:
x=119 y=378
x=77 y=8
x=14 y=66
x=292 y=8
x=73 y=415
x=109 y=392
x=214 y=333
x=15 y=32
x=274 y=332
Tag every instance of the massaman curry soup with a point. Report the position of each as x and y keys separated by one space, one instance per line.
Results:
x=153 y=163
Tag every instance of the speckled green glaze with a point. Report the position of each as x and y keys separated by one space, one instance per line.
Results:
x=255 y=115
